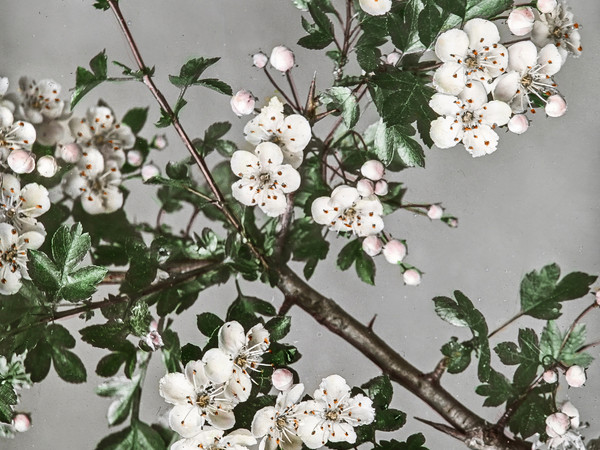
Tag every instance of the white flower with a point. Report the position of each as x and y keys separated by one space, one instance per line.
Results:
x=373 y=170
x=435 y=212
x=411 y=277
x=38 y=100
x=372 y=245
x=210 y=439
x=394 y=251
x=264 y=178
x=546 y=6
x=293 y=132
x=561 y=426
x=376 y=7
x=47 y=166
x=242 y=103
x=469 y=118
x=518 y=124
x=557 y=26
x=13 y=256
x=14 y=135
x=520 y=21
x=575 y=376
x=21 y=207
x=282 y=58
x=50 y=133
x=472 y=54
x=346 y=210
x=569 y=409
x=98 y=130
x=260 y=60
x=282 y=379
x=529 y=73
x=197 y=401
x=279 y=424
x=333 y=414
x=96 y=183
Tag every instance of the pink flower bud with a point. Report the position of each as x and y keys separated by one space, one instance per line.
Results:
x=373 y=170
x=260 y=60
x=153 y=339
x=546 y=6
x=453 y=222
x=160 y=141
x=435 y=212
x=69 y=153
x=556 y=106
x=372 y=245
x=518 y=124
x=135 y=158
x=149 y=171
x=550 y=376
x=569 y=409
x=21 y=161
x=47 y=166
x=575 y=376
x=557 y=424
x=381 y=188
x=393 y=58
x=365 y=187
x=242 y=103
x=21 y=422
x=412 y=277
x=598 y=297
x=376 y=7
x=520 y=21
x=282 y=58
x=394 y=251
x=282 y=379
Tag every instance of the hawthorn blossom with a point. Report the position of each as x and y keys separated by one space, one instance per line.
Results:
x=95 y=182
x=558 y=27
x=575 y=376
x=372 y=245
x=13 y=256
x=278 y=425
x=472 y=54
x=468 y=118
x=333 y=414
x=561 y=429
x=212 y=439
x=21 y=207
x=242 y=103
x=198 y=399
x=264 y=178
x=293 y=132
x=100 y=130
x=529 y=73
x=346 y=210
x=376 y=7
x=14 y=135
x=282 y=379
x=282 y=58
x=520 y=21
x=37 y=101
x=47 y=166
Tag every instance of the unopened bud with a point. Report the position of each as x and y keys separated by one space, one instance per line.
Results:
x=69 y=153
x=557 y=424
x=394 y=251
x=260 y=60
x=546 y=6
x=453 y=222
x=376 y=7
x=365 y=187
x=373 y=170
x=435 y=212
x=412 y=277
x=160 y=141
x=21 y=161
x=21 y=422
x=381 y=188
x=282 y=58
x=282 y=379
x=556 y=106
x=149 y=171
x=575 y=376
x=550 y=376
x=135 y=158
x=393 y=58
x=47 y=166
x=518 y=124
x=520 y=21
x=372 y=245
x=242 y=103
x=598 y=297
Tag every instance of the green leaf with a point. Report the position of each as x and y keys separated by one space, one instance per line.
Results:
x=102 y=4
x=44 y=273
x=135 y=119
x=320 y=33
x=458 y=355
x=278 y=327
x=414 y=442
x=342 y=99
x=143 y=265
x=550 y=343
x=396 y=140
x=389 y=419
x=456 y=7
x=138 y=436
x=85 y=80
x=530 y=417
x=208 y=323
x=68 y=366
x=190 y=72
x=282 y=355
x=305 y=241
x=164 y=121
x=365 y=268
x=526 y=355
x=69 y=247
x=244 y=309
x=82 y=283
x=110 y=335
x=497 y=390
x=348 y=254
x=123 y=392
x=380 y=390
x=38 y=361
x=190 y=352
x=216 y=85
x=429 y=24
x=215 y=132
x=245 y=411
x=8 y=399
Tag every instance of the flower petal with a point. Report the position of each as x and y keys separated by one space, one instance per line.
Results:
x=35 y=197
x=295 y=132
x=269 y=154
x=507 y=86
x=344 y=196
x=550 y=60
x=244 y=164
x=186 y=420
x=450 y=78
x=445 y=105
x=272 y=202
x=221 y=419
x=263 y=420
x=495 y=113
x=175 y=388
x=322 y=211
x=452 y=45
x=482 y=33
x=522 y=56
x=481 y=141
x=444 y=132
x=231 y=337
x=286 y=177
x=218 y=365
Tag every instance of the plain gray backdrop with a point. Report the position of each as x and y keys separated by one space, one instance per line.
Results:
x=533 y=202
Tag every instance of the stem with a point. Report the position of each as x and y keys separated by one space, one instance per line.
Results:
x=505 y=324
x=286 y=220
x=290 y=79
x=512 y=408
x=281 y=91
x=575 y=322
x=191 y=221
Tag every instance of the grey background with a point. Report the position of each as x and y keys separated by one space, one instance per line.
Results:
x=534 y=201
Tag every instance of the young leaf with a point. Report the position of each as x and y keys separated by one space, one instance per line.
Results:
x=85 y=80
x=458 y=355
x=526 y=355
x=278 y=327
x=190 y=72
x=380 y=390
x=497 y=390
x=135 y=119
x=320 y=33
x=342 y=99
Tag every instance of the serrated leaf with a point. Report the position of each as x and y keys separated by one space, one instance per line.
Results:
x=341 y=98
x=380 y=390
x=164 y=120
x=44 y=273
x=429 y=24
x=348 y=254
x=190 y=72
x=82 y=283
x=8 y=399
x=68 y=366
x=530 y=416
x=365 y=268
x=458 y=355
x=456 y=7
x=398 y=142
x=497 y=390
x=208 y=323
x=216 y=85
x=135 y=119
x=278 y=327
x=85 y=80
x=526 y=354
x=389 y=419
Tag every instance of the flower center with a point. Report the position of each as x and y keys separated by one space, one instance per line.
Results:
x=241 y=361
x=471 y=62
x=467 y=117
x=349 y=214
x=264 y=179
x=98 y=140
x=280 y=422
x=332 y=415
x=203 y=400
x=557 y=33
x=527 y=80
x=11 y=255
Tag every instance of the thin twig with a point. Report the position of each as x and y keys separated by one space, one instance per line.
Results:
x=594 y=305
x=290 y=80
x=281 y=91
x=191 y=221
x=505 y=324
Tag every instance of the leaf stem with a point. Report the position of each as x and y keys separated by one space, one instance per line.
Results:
x=594 y=305
x=505 y=324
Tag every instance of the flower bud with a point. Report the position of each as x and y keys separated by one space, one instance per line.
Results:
x=69 y=153
x=373 y=170
x=372 y=245
x=394 y=251
x=47 y=166
x=518 y=124
x=149 y=171
x=412 y=277
x=546 y=6
x=575 y=376
x=453 y=222
x=435 y=212
x=135 y=158
x=569 y=409
x=282 y=58
x=550 y=376
x=160 y=141
x=365 y=187
x=381 y=188
x=21 y=422
x=520 y=21
x=393 y=58
x=242 y=103
x=282 y=379
x=376 y=7
x=21 y=161
x=598 y=297
x=3 y=85
x=556 y=106
x=260 y=60
x=557 y=424
x=153 y=339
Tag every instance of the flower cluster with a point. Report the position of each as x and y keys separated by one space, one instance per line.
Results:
x=561 y=428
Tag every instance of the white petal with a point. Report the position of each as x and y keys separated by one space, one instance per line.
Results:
x=254 y=133
x=80 y=129
x=450 y=78
x=452 y=45
x=244 y=163
x=445 y=105
x=231 y=337
x=258 y=337
x=6 y=117
x=100 y=118
x=263 y=420
x=295 y=132
x=36 y=197
x=186 y=420
x=522 y=56
x=287 y=178
x=495 y=113
x=369 y=226
x=239 y=386
x=221 y=419
x=244 y=192
x=376 y=7
x=269 y=154
x=175 y=388
x=195 y=373
x=3 y=85
x=91 y=162
x=444 y=132
x=342 y=432
x=334 y=387
x=474 y=95
x=322 y=211
x=507 y=86
x=498 y=55
x=550 y=60
x=344 y=196
x=294 y=159
x=362 y=409
x=540 y=33
x=481 y=33
x=218 y=365
x=239 y=437
x=481 y=141
x=10 y=184
x=272 y=202
x=310 y=433
x=11 y=283
x=292 y=396
x=32 y=239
